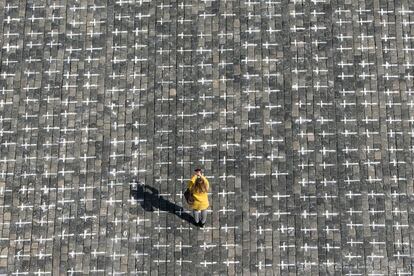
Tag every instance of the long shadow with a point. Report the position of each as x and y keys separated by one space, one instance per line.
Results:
x=150 y=199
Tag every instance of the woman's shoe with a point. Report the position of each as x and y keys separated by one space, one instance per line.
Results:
x=201 y=224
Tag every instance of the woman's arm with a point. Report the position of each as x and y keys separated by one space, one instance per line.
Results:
x=191 y=181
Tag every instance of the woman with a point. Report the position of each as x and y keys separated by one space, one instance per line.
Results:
x=199 y=186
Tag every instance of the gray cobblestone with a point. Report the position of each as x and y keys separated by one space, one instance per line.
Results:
x=300 y=113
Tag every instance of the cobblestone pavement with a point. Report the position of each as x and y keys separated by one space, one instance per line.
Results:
x=300 y=112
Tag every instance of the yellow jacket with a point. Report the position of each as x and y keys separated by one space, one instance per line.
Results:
x=200 y=199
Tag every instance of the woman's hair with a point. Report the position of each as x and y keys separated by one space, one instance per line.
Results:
x=200 y=186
